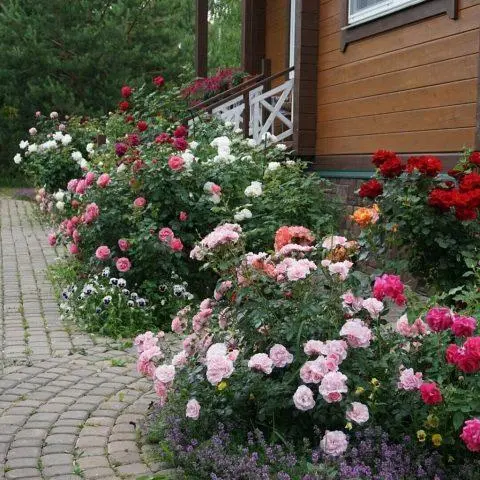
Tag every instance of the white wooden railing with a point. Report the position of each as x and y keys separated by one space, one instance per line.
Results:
x=268 y=110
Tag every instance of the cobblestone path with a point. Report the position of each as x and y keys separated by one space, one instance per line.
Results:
x=70 y=405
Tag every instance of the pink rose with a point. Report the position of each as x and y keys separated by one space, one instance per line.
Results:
x=337 y=348
x=340 y=268
x=313 y=347
x=91 y=212
x=183 y=216
x=303 y=398
x=52 y=239
x=280 y=356
x=471 y=434
x=261 y=362
x=193 y=409
x=463 y=326
x=102 y=252
x=439 y=318
x=334 y=443
x=314 y=371
x=218 y=368
x=90 y=179
x=176 y=163
x=177 y=326
x=165 y=235
x=358 y=413
x=220 y=291
x=332 y=387
x=123 y=245
x=389 y=286
x=373 y=306
x=103 y=180
x=216 y=189
x=165 y=373
x=73 y=249
x=162 y=391
x=123 y=264
x=357 y=333
x=81 y=187
x=76 y=236
x=409 y=380
x=139 y=202
x=180 y=359
x=72 y=185
x=176 y=245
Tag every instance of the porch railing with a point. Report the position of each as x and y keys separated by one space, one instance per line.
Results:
x=256 y=107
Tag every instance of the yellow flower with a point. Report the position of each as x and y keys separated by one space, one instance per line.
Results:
x=375 y=382
x=359 y=391
x=421 y=435
x=432 y=421
x=437 y=439
x=349 y=426
x=222 y=386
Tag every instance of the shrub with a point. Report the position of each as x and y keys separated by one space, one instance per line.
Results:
x=430 y=214
x=149 y=194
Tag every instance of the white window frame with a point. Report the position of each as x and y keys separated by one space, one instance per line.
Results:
x=376 y=11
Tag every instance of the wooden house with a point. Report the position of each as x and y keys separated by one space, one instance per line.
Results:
x=361 y=75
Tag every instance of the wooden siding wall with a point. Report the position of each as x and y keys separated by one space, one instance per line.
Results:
x=277 y=35
x=412 y=89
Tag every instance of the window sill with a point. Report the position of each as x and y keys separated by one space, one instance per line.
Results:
x=414 y=13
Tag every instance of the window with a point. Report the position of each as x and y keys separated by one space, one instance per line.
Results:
x=360 y=11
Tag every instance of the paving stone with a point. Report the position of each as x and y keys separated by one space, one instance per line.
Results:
x=21 y=473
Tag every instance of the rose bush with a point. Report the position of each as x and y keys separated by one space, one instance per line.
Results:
x=155 y=188
x=432 y=214
x=297 y=341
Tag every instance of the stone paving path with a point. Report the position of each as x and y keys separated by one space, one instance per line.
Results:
x=70 y=405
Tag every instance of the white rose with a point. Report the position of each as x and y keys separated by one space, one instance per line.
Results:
x=255 y=189
x=90 y=147
x=58 y=136
x=59 y=196
x=17 y=158
x=251 y=143
x=53 y=115
x=32 y=148
x=66 y=139
x=193 y=145
x=77 y=156
x=215 y=198
x=60 y=206
x=121 y=168
x=32 y=131
x=23 y=144
x=83 y=163
x=290 y=163
x=243 y=214
x=272 y=166
x=281 y=146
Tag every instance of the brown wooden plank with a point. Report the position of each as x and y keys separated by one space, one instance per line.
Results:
x=400 y=38
x=454 y=46
x=428 y=97
x=201 y=43
x=329 y=9
x=452 y=70
x=329 y=26
x=456 y=116
x=452 y=140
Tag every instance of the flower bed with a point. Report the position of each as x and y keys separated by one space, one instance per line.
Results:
x=296 y=345
x=142 y=199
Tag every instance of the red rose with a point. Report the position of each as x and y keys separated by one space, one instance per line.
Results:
x=126 y=91
x=133 y=139
x=163 y=138
x=129 y=119
x=371 y=189
x=470 y=182
x=472 y=347
x=391 y=168
x=439 y=318
x=431 y=166
x=142 y=125
x=465 y=214
x=158 y=81
x=463 y=326
x=474 y=158
x=180 y=143
x=180 y=131
x=123 y=106
x=467 y=363
x=452 y=354
x=431 y=394
x=441 y=199
x=381 y=156
x=176 y=163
